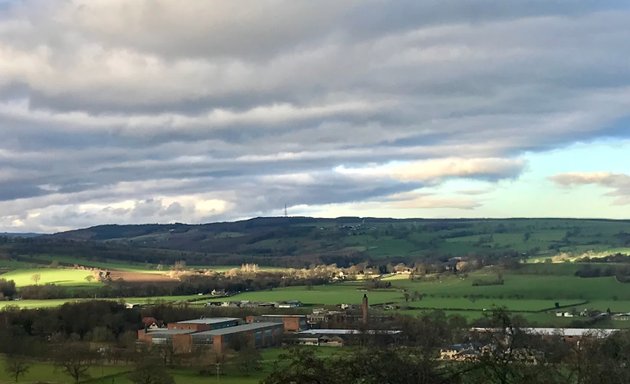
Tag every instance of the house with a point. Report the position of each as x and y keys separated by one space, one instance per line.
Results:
x=290 y=304
x=331 y=341
x=151 y=322
x=461 y=352
x=314 y=340
x=308 y=340
x=321 y=315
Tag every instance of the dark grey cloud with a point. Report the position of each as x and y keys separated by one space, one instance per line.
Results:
x=162 y=111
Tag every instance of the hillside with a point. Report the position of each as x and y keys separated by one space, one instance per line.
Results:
x=298 y=241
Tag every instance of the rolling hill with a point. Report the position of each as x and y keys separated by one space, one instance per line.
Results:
x=299 y=241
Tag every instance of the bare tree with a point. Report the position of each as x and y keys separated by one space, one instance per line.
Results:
x=74 y=360
x=150 y=371
x=16 y=367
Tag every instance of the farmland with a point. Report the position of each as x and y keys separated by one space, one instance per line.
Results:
x=541 y=277
x=59 y=276
x=533 y=291
x=301 y=241
x=535 y=297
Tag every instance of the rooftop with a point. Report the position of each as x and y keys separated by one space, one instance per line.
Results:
x=209 y=320
x=238 y=328
x=347 y=332
x=561 y=331
x=168 y=332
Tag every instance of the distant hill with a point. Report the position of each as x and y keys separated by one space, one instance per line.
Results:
x=23 y=235
x=298 y=241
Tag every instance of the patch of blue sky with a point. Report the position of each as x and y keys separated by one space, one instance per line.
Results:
x=533 y=194
x=610 y=155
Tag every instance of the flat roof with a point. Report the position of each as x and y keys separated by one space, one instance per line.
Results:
x=209 y=320
x=347 y=332
x=239 y=328
x=561 y=331
x=168 y=332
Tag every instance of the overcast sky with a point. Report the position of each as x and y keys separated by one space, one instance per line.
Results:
x=150 y=111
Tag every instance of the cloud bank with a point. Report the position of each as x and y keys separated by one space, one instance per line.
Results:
x=159 y=111
x=618 y=184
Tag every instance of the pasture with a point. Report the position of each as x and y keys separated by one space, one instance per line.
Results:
x=45 y=372
x=58 y=276
x=334 y=294
x=532 y=291
x=32 y=304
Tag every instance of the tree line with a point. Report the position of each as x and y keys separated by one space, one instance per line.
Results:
x=503 y=352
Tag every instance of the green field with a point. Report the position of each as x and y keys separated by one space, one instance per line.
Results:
x=349 y=293
x=58 y=276
x=532 y=291
x=45 y=372
x=42 y=372
x=29 y=304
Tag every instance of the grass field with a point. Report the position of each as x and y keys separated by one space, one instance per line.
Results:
x=531 y=290
x=30 y=304
x=46 y=373
x=40 y=372
x=349 y=293
x=59 y=276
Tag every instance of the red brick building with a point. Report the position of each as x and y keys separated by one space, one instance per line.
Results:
x=216 y=333
x=291 y=323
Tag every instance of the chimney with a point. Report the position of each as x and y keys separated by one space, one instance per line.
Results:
x=364 y=309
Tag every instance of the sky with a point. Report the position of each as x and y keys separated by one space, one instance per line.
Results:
x=154 y=111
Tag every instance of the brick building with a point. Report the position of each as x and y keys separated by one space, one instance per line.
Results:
x=205 y=324
x=216 y=333
x=291 y=323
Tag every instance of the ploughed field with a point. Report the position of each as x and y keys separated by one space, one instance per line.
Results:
x=72 y=277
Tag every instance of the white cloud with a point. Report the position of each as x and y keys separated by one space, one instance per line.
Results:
x=617 y=183
x=435 y=170
x=162 y=111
